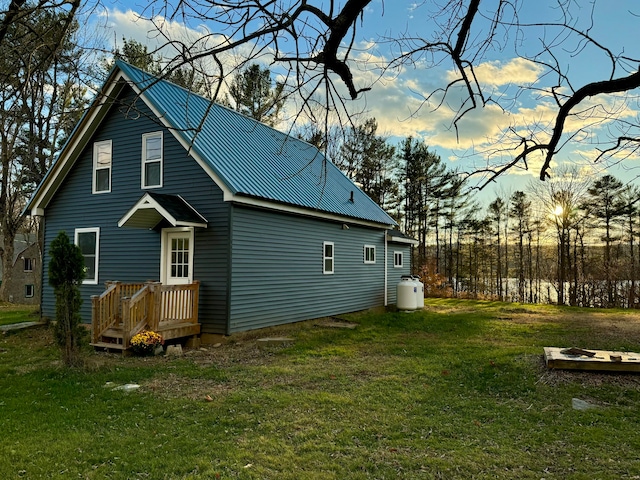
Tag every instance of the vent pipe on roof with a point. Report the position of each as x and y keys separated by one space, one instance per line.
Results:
x=351 y=198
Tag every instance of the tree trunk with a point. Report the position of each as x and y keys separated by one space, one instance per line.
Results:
x=506 y=258
x=7 y=266
x=632 y=288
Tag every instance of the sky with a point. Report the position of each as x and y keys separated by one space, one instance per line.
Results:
x=397 y=97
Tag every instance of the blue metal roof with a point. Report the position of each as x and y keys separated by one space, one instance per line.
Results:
x=253 y=159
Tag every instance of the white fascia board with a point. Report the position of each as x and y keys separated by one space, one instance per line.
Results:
x=71 y=152
x=409 y=241
x=267 y=205
x=146 y=202
x=190 y=224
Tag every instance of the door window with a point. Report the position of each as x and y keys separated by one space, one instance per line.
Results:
x=178 y=257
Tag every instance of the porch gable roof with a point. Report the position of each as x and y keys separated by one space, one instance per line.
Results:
x=152 y=208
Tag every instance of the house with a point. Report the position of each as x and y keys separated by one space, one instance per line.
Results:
x=26 y=275
x=159 y=184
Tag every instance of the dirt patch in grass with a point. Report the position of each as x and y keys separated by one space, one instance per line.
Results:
x=523 y=310
x=234 y=353
x=178 y=386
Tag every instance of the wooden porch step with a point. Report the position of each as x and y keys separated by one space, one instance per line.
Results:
x=114 y=332
x=107 y=345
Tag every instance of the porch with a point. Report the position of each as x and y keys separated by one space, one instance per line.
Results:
x=126 y=309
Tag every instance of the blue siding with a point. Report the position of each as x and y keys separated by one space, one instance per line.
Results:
x=277 y=270
x=130 y=254
x=394 y=274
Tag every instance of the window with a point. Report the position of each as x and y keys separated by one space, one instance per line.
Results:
x=369 y=254
x=397 y=259
x=152 y=160
x=327 y=261
x=179 y=258
x=28 y=264
x=102 y=167
x=29 y=291
x=88 y=239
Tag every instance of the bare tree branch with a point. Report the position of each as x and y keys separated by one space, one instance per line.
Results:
x=596 y=88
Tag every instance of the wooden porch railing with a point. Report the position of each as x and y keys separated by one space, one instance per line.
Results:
x=138 y=312
x=106 y=309
x=179 y=303
x=133 y=307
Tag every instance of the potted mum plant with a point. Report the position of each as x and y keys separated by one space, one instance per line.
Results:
x=145 y=343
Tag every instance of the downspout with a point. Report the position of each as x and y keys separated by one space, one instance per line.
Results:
x=229 y=266
x=386 y=261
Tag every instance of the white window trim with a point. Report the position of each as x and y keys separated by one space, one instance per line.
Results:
x=94 y=280
x=95 y=165
x=395 y=265
x=145 y=161
x=164 y=251
x=33 y=290
x=325 y=258
x=364 y=253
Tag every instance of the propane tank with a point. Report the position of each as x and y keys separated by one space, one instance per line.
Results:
x=407 y=294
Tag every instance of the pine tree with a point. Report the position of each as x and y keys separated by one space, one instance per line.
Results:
x=66 y=271
x=253 y=94
x=520 y=211
x=425 y=182
x=605 y=204
x=496 y=214
x=369 y=160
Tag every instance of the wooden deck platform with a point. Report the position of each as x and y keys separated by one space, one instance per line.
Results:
x=602 y=360
x=125 y=309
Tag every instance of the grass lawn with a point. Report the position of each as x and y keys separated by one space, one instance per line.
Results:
x=12 y=313
x=458 y=391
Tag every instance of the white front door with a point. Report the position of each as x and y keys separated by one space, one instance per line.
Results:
x=177 y=256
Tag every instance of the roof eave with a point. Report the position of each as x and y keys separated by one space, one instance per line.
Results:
x=409 y=241
x=257 y=202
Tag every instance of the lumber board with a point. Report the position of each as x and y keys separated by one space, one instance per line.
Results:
x=603 y=360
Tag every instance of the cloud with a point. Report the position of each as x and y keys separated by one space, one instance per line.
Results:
x=152 y=32
x=515 y=71
x=169 y=38
x=488 y=137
